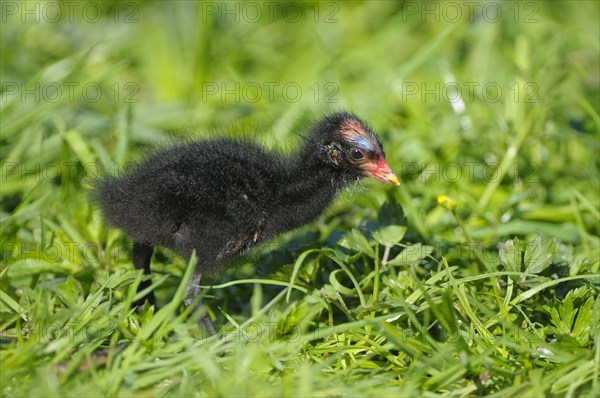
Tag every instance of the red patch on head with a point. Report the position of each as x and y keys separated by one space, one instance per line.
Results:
x=354 y=131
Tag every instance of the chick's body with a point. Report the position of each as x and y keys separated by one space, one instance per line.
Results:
x=219 y=197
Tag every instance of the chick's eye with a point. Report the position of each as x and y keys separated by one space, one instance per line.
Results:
x=356 y=154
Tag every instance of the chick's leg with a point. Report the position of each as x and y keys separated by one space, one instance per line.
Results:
x=142 y=254
x=194 y=291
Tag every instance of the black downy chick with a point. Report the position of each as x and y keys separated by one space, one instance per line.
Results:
x=221 y=197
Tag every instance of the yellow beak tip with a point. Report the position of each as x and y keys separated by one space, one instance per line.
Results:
x=392 y=179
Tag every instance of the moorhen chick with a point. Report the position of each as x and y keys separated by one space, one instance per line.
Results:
x=223 y=196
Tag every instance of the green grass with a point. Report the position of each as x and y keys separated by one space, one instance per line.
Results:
x=489 y=290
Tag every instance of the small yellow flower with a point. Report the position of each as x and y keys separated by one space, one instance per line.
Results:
x=446 y=201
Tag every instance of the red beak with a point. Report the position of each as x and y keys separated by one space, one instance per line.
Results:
x=382 y=172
